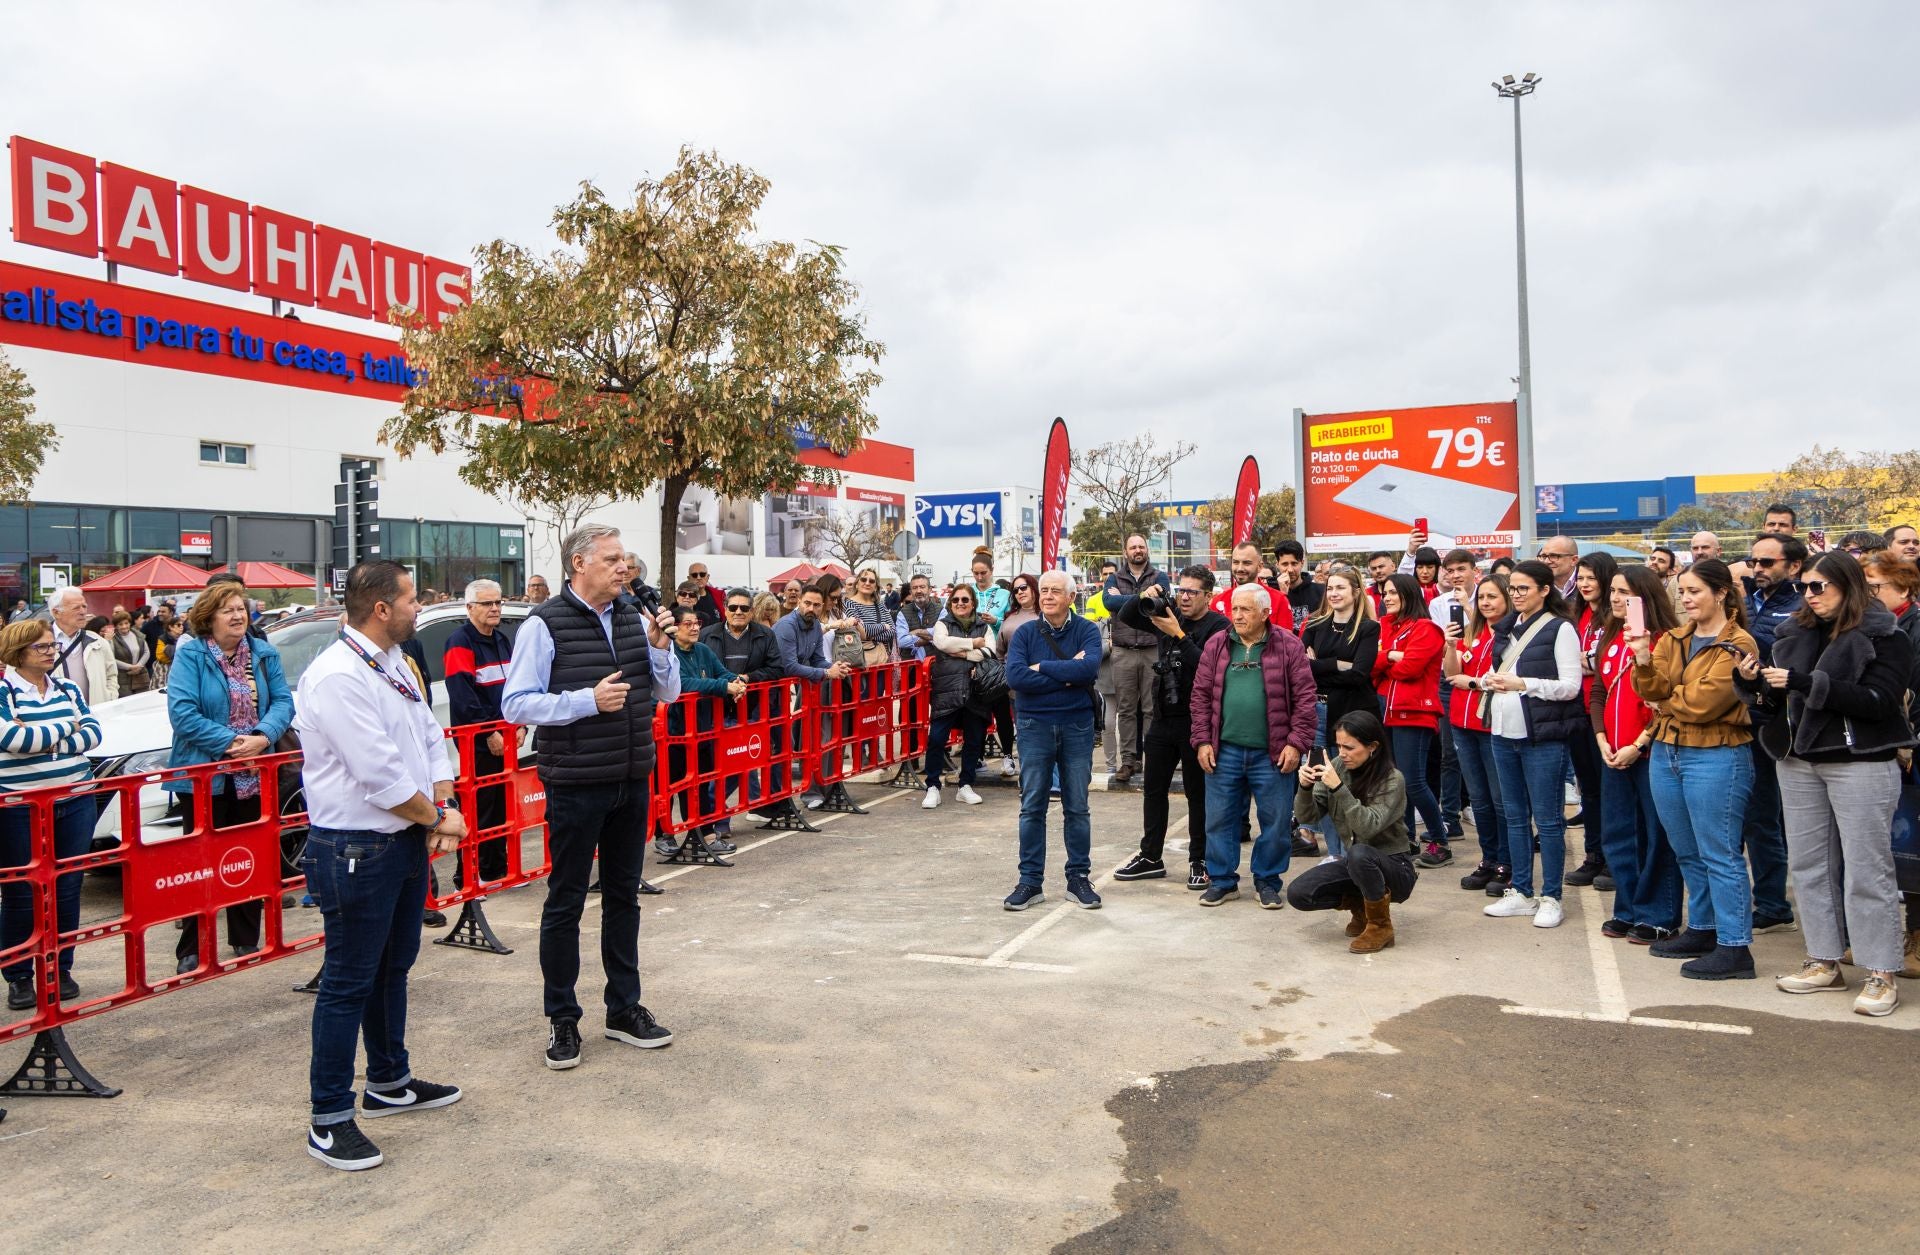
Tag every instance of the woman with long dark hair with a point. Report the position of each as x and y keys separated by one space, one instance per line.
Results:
x=1467 y=660
x=1342 y=642
x=1593 y=588
x=1406 y=672
x=1646 y=877
x=1533 y=710
x=1832 y=711
x=1358 y=788
x=1703 y=767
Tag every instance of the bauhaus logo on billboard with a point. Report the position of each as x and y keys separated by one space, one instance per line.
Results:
x=956 y=514
x=67 y=201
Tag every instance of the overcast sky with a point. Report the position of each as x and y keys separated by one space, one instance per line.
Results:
x=1181 y=217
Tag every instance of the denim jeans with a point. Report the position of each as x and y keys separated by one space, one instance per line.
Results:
x=1410 y=749
x=73 y=822
x=371 y=888
x=1450 y=781
x=1646 y=876
x=1532 y=793
x=582 y=818
x=1325 y=823
x=1765 y=837
x=1702 y=793
x=1237 y=772
x=1045 y=746
x=1474 y=752
x=973 y=741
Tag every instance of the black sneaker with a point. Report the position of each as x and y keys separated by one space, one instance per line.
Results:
x=1216 y=894
x=1433 y=854
x=1616 y=928
x=1582 y=876
x=1197 y=878
x=1140 y=867
x=1022 y=897
x=1270 y=899
x=1480 y=877
x=20 y=994
x=717 y=844
x=647 y=886
x=665 y=846
x=1647 y=934
x=1080 y=893
x=343 y=1146
x=428 y=919
x=637 y=1027
x=1304 y=846
x=1773 y=924
x=1689 y=943
x=1724 y=963
x=1501 y=882
x=563 y=1045
x=1577 y=820
x=1603 y=882
x=415 y=1095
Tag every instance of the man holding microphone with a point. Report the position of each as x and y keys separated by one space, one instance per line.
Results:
x=379 y=790
x=587 y=668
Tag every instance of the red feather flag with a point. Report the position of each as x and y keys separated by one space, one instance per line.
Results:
x=1246 y=499
x=1053 y=495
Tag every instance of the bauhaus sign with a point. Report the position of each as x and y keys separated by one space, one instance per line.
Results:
x=67 y=201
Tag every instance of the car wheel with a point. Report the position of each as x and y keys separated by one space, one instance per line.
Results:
x=293 y=837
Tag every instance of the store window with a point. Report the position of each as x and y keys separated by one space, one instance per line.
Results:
x=213 y=453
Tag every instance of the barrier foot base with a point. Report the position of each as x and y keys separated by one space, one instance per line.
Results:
x=472 y=931
x=790 y=819
x=838 y=799
x=693 y=852
x=908 y=777
x=312 y=986
x=50 y=1070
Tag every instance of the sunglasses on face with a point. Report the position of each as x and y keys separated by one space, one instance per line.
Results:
x=1817 y=588
x=738 y=609
x=1766 y=563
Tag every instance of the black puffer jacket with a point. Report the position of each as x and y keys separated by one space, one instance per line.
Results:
x=952 y=674
x=1846 y=695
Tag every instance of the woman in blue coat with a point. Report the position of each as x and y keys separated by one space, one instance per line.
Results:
x=227 y=698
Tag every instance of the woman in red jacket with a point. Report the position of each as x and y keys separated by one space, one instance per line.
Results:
x=1593 y=615
x=1406 y=672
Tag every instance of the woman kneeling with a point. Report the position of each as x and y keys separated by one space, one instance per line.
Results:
x=1366 y=798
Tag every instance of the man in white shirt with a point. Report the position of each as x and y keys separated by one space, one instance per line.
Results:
x=379 y=789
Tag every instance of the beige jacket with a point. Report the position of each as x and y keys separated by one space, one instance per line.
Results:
x=102 y=668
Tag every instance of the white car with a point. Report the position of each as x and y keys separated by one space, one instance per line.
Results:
x=137 y=737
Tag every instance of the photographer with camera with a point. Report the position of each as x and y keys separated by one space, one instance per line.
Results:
x=1184 y=623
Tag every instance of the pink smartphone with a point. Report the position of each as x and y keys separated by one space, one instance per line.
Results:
x=1636 y=616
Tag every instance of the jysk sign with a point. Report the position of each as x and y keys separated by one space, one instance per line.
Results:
x=67 y=201
x=955 y=514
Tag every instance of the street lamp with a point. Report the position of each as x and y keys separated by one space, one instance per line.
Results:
x=1509 y=89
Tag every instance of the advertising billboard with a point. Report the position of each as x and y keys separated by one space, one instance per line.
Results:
x=940 y=516
x=1367 y=478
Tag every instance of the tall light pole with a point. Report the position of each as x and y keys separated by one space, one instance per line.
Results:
x=1512 y=90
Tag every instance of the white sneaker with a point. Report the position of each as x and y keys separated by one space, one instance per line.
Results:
x=1009 y=766
x=931 y=801
x=1511 y=903
x=1879 y=996
x=1572 y=794
x=967 y=795
x=1547 y=914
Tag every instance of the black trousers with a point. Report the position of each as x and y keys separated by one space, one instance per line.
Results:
x=1003 y=724
x=973 y=733
x=583 y=818
x=1585 y=753
x=490 y=803
x=1168 y=747
x=243 y=921
x=1364 y=870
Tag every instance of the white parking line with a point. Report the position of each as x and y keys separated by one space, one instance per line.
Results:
x=1646 y=1021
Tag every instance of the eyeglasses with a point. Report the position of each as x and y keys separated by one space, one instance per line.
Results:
x=1188 y=592
x=49 y=646
x=486 y=605
x=1856 y=552
x=738 y=609
x=1766 y=563
x=1817 y=587
x=1875 y=587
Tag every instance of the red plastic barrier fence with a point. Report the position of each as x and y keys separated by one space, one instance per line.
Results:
x=716 y=758
x=875 y=718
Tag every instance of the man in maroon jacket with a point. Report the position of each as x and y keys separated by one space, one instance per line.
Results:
x=1253 y=718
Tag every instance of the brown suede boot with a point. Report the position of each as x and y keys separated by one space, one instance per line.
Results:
x=1379 y=930
x=1358 y=924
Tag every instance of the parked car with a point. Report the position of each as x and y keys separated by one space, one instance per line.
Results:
x=137 y=737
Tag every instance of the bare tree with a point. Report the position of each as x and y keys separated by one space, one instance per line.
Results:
x=1121 y=474
x=853 y=538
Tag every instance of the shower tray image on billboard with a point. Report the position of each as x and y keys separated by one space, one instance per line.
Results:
x=1450 y=507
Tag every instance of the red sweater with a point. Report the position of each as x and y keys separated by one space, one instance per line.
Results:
x=1614 y=706
x=1476 y=659
x=1409 y=687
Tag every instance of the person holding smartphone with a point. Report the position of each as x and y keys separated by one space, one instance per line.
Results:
x=1342 y=641
x=1703 y=767
x=1646 y=897
x=1366 y=798
x=1465 y=662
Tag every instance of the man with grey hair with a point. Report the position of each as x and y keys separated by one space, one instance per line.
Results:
x=83 y=657
x=474 y=668
x=587 y=669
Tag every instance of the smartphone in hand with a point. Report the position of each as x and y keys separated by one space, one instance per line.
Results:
x=1636 y=616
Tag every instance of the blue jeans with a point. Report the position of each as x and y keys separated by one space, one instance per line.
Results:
x=1410 y=748
x=1238 y=772
x=1702 y=793
x=1532 y=793
x=1044 y=748
x=1646 y=877
x=73 y=822
x=1474 y=752
x=371 y=888
x=1450 y=781
x=1325 y=824
x=1766 y=838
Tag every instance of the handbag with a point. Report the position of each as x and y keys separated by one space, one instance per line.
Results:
x=875 y=654
x=987 y=685
x=848 y=649
x=1099 y=702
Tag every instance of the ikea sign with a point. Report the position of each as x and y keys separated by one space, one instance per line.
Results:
x=956 y=514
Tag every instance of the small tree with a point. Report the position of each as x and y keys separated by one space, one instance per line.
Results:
x=853 y=538
x=1272 y=519
x=1836 y=488
x=24 y=444
x=666 y=343
x=1121 y=475
x=1100 y=534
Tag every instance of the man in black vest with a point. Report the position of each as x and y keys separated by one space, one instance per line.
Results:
x=587 y=669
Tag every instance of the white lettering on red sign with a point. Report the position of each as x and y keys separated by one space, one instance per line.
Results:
x=236 y=867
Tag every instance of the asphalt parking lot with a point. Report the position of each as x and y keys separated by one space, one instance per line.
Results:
x=871 y=1055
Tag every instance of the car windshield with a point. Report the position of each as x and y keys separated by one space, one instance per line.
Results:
x=301 y=641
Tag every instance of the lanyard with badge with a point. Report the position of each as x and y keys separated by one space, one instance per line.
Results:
x=399 y=686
